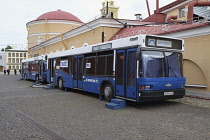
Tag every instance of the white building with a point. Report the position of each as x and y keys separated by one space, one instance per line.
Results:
x=2 y=61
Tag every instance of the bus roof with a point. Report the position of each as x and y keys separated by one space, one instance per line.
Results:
x=110 y=45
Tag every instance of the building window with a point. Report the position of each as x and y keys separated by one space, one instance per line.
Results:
x=13 y=60
x=112 y=14
x=21 y=55
x=24 y=54
x=181 y=13
x=13 y=67
x=17 y=54
x=17 y=60
x=10 y=67
x=13 y=54
x=9 y=60
x=9 y=54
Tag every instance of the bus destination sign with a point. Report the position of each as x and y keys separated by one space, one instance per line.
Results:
x=161 y=42
x=164 y=43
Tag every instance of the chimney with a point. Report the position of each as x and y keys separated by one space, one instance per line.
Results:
x=157 y=6
x=138 y=17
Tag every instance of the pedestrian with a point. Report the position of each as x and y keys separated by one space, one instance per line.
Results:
x=8 y=71
x=15 y=72
x=20 y=71
x=5 y=71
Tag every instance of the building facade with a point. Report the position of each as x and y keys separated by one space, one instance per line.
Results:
x=2 y=61
x=14 y=58
x=186 y=19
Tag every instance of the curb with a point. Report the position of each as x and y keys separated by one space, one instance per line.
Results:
x=191 y=96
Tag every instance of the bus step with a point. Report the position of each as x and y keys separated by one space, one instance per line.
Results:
x=116 y=104
x=49 y=86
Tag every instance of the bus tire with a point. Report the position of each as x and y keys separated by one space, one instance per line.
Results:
x=107 y=92
x=60 y=83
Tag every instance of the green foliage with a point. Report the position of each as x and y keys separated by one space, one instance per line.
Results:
x=7 y=48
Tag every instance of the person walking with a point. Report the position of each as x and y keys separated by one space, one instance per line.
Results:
x=5 y=71
x=8 y=71
x=15 y=71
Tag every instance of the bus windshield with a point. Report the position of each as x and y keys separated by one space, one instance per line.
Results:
x=160 y=64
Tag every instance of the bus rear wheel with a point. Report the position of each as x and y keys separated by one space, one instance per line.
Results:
x=60 y=83
x=108 y=92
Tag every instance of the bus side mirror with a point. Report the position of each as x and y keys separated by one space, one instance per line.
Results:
x=138 y=54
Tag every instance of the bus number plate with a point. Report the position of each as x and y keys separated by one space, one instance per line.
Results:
x=168 y=93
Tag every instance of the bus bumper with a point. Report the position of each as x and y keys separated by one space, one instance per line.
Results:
x=145 y=96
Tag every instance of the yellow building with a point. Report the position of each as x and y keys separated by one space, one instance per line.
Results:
x=50 y=33
x=14 y=58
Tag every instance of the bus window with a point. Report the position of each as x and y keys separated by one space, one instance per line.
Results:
x=120 y=60
x=64 y=64
x=109 y=65
x=57 y=64
x=101 y=65
x=131 y=69
x=174 y=63
x=161 y=64
x=153 y=64
x=89 y=66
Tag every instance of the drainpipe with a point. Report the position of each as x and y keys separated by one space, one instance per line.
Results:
x=62 y=41
x=192 y=5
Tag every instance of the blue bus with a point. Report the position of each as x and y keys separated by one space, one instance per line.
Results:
x=138 y=68
x=35 y=69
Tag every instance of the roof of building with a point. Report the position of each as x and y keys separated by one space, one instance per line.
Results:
x=170 y=5
x=59 y=15
x=16 y=50
x=155 y=29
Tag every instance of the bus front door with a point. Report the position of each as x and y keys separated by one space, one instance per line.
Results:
x=77 y=72
x=126 y=72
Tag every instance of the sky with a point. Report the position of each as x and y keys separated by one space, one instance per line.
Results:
x=14 y=14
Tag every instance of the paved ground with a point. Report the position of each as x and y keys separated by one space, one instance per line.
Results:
x=34 y=113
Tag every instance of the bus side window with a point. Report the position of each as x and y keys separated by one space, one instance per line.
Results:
x=89 y=66
x=57 y=64
x=101 y=65
x=109 y=65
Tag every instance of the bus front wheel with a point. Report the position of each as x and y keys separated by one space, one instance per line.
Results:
x=107 y=92
x=60 y=83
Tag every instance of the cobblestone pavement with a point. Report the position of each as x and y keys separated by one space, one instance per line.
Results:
x=36 y=113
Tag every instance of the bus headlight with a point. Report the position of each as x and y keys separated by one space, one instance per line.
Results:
x=145 y=87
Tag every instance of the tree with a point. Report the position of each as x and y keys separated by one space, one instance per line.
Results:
x=7 y=48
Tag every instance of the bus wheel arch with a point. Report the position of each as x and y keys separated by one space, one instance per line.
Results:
x=107 y=90
x=60 y=83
